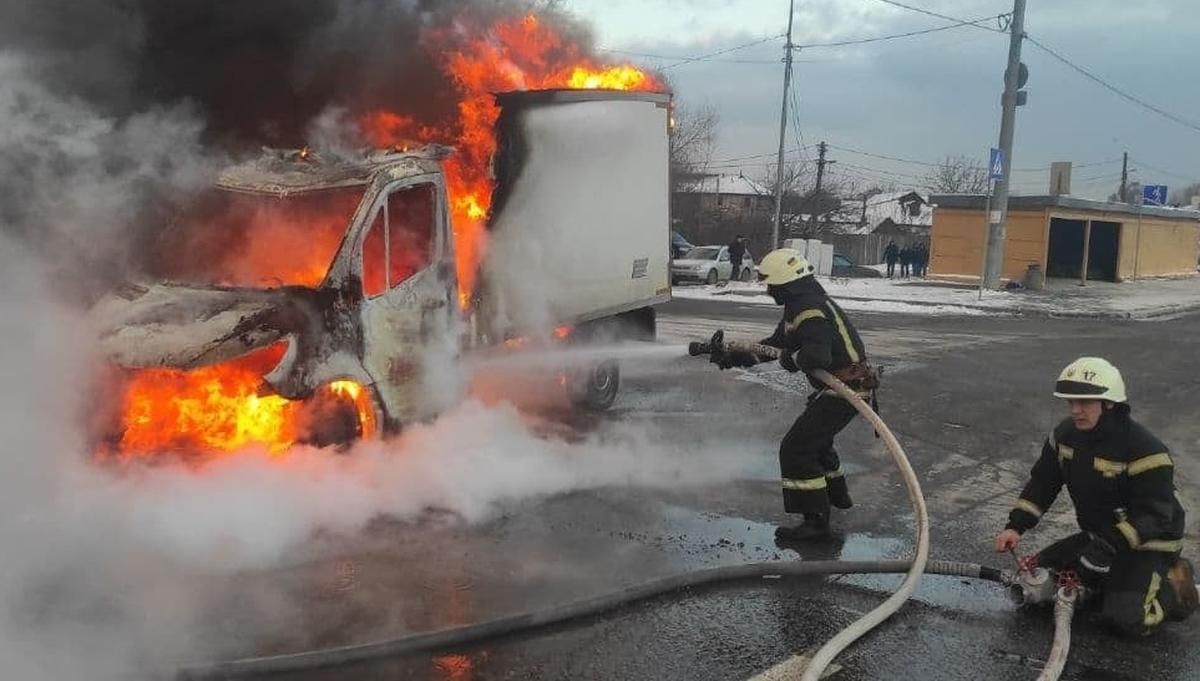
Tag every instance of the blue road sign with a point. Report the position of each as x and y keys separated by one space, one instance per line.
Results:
x=996 y=165
x=1154 y=194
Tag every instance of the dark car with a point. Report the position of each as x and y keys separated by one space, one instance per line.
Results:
x=845 y=268
x=679 y=245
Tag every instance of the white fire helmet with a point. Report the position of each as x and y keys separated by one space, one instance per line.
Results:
x=1090 y=378
x=783 y=266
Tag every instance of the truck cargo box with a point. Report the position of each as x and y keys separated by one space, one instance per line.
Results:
x=581 y=214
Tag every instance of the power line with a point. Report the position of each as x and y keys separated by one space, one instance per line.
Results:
x=735 y=48
x=929 y=164
x=755 y=156
x=1178 y=176
x=961 y=22
x=1113 y=88
x=894 y=36
x=676 y=58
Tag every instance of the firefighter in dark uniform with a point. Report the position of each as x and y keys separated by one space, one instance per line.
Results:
x=1122 y=482
x=814 y=334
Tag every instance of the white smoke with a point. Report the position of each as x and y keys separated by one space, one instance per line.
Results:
x=74 y=183
x=112 y=573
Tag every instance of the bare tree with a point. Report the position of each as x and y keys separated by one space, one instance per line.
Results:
x=1133 y=194
x=1183 y=197
x=958 y=175
x=693 y=136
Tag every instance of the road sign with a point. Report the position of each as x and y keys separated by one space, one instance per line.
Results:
x=996 y=165
x=1154 y=195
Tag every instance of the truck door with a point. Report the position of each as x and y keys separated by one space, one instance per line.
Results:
x=408 y=294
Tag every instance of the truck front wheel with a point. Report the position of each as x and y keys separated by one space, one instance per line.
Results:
x=340 y=413
x=595 y=389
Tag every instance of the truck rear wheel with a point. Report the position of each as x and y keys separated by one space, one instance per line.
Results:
x=595 y=389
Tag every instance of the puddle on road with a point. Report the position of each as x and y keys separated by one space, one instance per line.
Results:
x=703 y=539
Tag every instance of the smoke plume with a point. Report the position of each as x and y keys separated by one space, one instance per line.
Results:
x=113 y=113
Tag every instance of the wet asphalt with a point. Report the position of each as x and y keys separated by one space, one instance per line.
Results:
x=969 y=399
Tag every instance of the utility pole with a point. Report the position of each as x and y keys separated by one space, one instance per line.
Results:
x=1124 y=196
x=822 y=148
x=998 y=212
x=787 y=84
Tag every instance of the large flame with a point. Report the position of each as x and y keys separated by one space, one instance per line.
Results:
x=522 y=54
x=222 y=408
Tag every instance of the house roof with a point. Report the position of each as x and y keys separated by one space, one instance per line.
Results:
x=880 y=209
x=973 y=202
x=733 y=185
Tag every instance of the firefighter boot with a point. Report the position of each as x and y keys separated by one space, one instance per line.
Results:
x=814 y=528
x=1182 y=579
x=839 y=493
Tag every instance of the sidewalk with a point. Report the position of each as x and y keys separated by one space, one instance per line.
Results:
x=1150 y=299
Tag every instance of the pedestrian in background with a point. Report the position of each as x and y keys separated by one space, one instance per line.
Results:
x=891 y=254
x=906 y=259
x=737 y=251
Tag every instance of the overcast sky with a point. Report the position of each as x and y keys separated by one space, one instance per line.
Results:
x=928 y=96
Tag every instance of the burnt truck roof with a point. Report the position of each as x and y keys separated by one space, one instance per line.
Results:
x=294 y=171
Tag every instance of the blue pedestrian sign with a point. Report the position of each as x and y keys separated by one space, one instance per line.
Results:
x=996 y=165
x=1154 y=195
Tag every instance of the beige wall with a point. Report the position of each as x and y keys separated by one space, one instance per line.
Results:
x=1158 y=247
x=958 y=236
x=1153 y=246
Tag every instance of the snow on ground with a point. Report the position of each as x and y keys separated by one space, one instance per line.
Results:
x=862 y=295
x=1144 y=299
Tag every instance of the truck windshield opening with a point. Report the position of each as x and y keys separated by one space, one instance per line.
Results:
x=258 y=240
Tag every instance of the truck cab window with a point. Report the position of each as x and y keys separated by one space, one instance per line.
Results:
x=410 y=215
x=374 y=279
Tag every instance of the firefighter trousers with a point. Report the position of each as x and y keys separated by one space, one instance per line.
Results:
x=808 y=463
x=1136 y=595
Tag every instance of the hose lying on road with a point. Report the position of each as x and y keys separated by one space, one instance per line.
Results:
x=516 y=624
x=506 y=626
x=1064 y=609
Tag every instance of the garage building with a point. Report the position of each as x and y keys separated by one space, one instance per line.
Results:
x=1122 y=241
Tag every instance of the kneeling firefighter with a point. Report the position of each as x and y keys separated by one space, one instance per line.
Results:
x=814 y=334
x=1121 y=480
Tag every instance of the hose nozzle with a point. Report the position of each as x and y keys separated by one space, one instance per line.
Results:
x=698 y=348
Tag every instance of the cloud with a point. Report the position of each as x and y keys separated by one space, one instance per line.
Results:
x=930 y=96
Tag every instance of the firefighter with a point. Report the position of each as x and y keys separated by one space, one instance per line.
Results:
x=814 y=334
x=1121 y=480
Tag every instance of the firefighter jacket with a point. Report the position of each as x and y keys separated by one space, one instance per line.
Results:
x=1120 y=478
x=815 y=330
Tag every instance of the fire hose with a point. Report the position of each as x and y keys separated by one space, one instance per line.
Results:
x=823 y=657
x=459 y=637
x=1064 y=610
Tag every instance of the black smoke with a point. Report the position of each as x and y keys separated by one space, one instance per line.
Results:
x=113 y=112
x=257 y=72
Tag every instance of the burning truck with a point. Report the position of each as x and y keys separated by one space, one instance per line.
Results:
x=349 y=269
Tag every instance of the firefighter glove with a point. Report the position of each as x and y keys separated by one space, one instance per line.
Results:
x=1096 y=561
x=787 y=360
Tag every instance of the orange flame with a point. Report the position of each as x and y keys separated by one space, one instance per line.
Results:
x=218 y=409
x=521 y=54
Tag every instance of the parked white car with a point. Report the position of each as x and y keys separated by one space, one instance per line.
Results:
x=711 y=265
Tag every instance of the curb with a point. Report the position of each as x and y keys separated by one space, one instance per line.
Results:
x=1160 y=313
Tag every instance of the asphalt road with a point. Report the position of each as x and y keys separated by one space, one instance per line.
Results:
x=969 y=398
